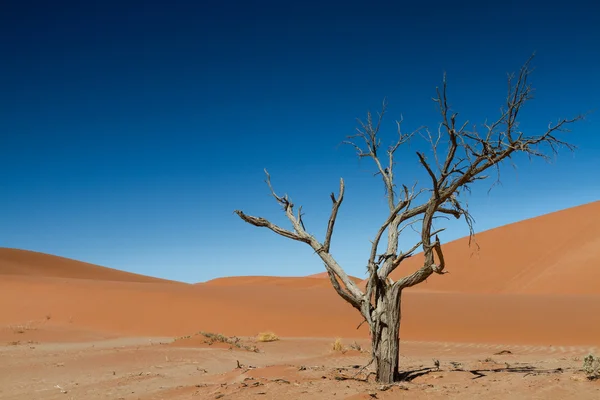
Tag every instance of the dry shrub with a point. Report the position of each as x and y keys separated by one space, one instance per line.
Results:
x=232 y=341
x=267 y=337
x=218 y=338
x=591 y=366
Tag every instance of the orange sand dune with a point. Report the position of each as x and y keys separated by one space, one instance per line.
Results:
x=535 y=282
x=156 y=309
x=558 y=253
x=30 y=263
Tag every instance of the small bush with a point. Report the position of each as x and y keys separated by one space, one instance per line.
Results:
x=338 y=345
x=591 y=366
x=267 y=337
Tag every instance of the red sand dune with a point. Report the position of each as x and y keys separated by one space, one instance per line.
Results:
x=30 y=263
x=543 y=290
x=558 y=253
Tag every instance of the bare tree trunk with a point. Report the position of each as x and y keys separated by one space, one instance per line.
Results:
x=385 y=338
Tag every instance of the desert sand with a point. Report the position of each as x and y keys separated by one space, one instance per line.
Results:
x=69 y=329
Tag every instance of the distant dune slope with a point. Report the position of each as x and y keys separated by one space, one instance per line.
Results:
x=292 y=281
x=154 y=309
x=533 y=282
x=558 y=253
x=325 y=275
x=33 y=264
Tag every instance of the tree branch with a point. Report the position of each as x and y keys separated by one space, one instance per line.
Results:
x=261 y=222
x=334 y=210
x=350 y=292
x=470 y=154
x=426 y=270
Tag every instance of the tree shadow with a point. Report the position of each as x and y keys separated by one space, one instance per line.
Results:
x=411 y=374
x=402 y=376
x=408 y=376
x=526 y=370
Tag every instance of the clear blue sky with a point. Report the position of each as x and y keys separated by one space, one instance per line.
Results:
x=130 y=131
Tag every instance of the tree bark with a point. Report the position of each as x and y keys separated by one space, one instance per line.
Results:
x=385 y=337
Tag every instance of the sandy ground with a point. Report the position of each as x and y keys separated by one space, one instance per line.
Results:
x=73 y=330
x=294 y=368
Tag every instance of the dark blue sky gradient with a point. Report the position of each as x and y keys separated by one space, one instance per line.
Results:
x=130 y=131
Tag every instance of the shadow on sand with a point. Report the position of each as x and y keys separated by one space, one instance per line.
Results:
x=410 y=375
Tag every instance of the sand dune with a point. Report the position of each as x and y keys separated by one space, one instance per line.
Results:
x=557 y=253
x=140 y=309
x=535 y=282
x=30 y=263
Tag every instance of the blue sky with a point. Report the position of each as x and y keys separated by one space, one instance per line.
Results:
x=130 y=131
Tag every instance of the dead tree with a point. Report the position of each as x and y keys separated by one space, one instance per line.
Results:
x=459 y=157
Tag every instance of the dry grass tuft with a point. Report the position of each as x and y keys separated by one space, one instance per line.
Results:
x=338 y=345
x=267 y=337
